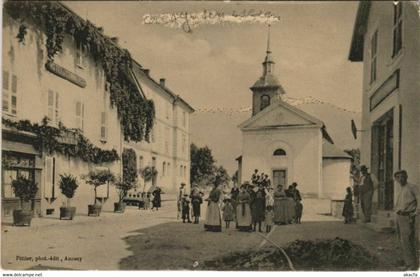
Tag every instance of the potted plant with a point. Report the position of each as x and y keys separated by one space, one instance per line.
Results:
x=122 y=187
x=26 y=190
x=148 y=173
x=95 y=179
x=68 y=186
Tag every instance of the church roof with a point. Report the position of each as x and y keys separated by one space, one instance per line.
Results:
x=267 y=81
x=330 y=151
x=312 y=120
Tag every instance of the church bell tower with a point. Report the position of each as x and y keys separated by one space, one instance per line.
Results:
x=267 y=88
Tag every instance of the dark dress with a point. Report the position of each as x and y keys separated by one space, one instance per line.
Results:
x=348 y=208
x=258 y=206
x=156 y=198
x=196 y=201
x=185 y=209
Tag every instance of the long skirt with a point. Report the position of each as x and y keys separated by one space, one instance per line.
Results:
x=196 y=208
x=213 y=218
x=281 y=211
x=299 y=209
x=243 y=217
x=291 y=209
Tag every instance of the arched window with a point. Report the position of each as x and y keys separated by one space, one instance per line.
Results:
x=265 y=101
x=279 y=152
x=163 y=168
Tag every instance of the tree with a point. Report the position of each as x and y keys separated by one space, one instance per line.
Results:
x=202 y=165
x=220 y=176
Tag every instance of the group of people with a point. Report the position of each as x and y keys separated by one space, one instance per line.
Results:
x=363 y=192
x=252 y=204
x=407 y=210
x=195 y=199
x=151 y=198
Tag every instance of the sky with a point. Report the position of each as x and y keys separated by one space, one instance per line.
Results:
x=214 y=65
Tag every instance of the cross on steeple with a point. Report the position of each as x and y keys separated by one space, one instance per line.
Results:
x=268 y=64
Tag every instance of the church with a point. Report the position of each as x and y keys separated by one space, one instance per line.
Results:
x=288 y=144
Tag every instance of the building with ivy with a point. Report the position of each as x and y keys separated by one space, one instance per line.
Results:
x=70 y=103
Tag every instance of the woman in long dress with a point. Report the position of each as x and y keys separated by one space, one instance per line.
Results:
x=258 y=208
x=281 y=215
x=243 y=210
x=291 y=204
x=213 y=215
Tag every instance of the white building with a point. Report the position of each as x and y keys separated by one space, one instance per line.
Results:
x=169 y=148
x=71 y=90
x=287 y=144
x=386 y=38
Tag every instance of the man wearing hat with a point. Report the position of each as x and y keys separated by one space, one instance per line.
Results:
x=196 y=201
x=407 y=208
x=366 y=193
x=181 y=192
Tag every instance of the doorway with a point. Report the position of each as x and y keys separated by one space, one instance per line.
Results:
x=280 y=177
x=382 y=159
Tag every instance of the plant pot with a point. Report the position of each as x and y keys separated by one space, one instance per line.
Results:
x=119 y=207
x=22 y=218
x=94 y=210
x=67 y=212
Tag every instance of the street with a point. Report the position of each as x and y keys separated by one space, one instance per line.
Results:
x=146 y=240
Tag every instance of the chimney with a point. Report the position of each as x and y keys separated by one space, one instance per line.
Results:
x=146 y=71
x=162 y=82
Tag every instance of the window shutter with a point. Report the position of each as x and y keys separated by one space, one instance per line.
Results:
x=83 y=116
x=5 y=79
x=50 y=105
x=57 y=111
x=48 y=177
x=103 y=126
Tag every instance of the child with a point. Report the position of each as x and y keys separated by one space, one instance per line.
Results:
x=348 y=207
x=196 y=201
x=146 y=200
x=228 y=212
x=186 y=209
x=269 y=215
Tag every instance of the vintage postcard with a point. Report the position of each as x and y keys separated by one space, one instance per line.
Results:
x=210 y=136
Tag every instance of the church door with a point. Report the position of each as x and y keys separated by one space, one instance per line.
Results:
x=279 y=177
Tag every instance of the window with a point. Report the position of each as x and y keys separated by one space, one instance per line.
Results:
x=265 y=101
x=279 y=152
x=53 y=113
x=167 y=110
x=184 y=143
x=167 y=135
x=168 y=169
x=373 y=57
x=81 y=58
x=141 y=162
x=9 y=93
x=163 y=168
x=184 y=119
x=180 y=170
x=397 y=42
x=80 y=114
x=103 y=127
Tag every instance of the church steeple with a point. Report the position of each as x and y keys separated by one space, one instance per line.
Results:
x=267 y=88
x=268 y=64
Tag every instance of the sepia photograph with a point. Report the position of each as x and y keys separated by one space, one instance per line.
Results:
x=229 y=136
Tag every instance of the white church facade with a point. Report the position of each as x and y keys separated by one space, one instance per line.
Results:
x=288 y=144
